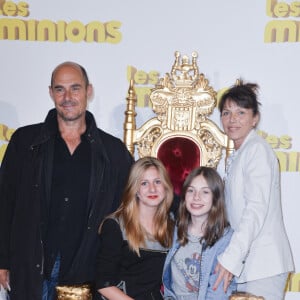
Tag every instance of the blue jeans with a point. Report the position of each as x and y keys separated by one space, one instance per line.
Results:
x=49 y=292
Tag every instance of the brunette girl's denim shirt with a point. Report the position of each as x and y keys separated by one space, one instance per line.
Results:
x=207 y=275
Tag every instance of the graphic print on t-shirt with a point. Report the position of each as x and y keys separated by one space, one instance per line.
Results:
x=190 y=269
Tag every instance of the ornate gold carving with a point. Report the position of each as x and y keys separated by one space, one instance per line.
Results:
x=74 y=292
x=145 y=145
x=130 y=114
x=183 y=102
x=245 y=296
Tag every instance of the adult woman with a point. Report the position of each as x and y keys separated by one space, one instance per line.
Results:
x=259 y=254
x=134 y=240
x=203 y=233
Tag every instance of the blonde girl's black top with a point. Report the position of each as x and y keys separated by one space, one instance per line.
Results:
x=117 y=265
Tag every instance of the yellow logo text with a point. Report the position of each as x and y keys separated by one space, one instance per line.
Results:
x=47 y=30
x=282 y=30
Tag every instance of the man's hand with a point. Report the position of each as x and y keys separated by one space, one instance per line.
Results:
x=223 y=274
x=4 y=278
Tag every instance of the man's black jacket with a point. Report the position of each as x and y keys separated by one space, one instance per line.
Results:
x=25 y=181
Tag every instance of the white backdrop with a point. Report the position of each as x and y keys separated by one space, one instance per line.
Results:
x=233 y=38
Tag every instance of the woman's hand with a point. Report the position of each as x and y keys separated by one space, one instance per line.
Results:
x=223 y=274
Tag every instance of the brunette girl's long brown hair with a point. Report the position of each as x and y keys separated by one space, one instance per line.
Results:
x=217 y=219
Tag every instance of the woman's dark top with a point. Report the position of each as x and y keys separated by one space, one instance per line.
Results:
x=116 y=264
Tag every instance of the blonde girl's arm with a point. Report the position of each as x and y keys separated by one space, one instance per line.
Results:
x=113 y=293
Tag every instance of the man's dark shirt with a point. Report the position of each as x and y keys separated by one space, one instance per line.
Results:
x=68 y=206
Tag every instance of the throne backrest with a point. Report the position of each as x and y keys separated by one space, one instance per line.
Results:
x=181 y=134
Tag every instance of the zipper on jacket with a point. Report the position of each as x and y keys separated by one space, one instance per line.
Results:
x=43 y=259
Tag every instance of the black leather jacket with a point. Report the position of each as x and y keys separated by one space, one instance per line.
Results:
x=25 y=181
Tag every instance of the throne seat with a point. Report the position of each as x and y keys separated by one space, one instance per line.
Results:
x=180 y=155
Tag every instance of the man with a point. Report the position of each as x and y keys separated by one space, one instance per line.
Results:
x=58 y=180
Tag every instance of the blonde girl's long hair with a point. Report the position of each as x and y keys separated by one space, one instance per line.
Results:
x=128 y=211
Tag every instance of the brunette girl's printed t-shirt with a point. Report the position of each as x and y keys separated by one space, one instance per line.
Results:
x=185 y=268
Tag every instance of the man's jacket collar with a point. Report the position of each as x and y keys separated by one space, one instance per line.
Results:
x=50 y=128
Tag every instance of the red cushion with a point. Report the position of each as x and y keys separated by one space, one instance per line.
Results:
x=179 y=155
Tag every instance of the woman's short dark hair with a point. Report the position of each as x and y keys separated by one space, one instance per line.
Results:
x=243 y=94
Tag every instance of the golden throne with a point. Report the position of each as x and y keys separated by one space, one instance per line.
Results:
x=181 y=135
